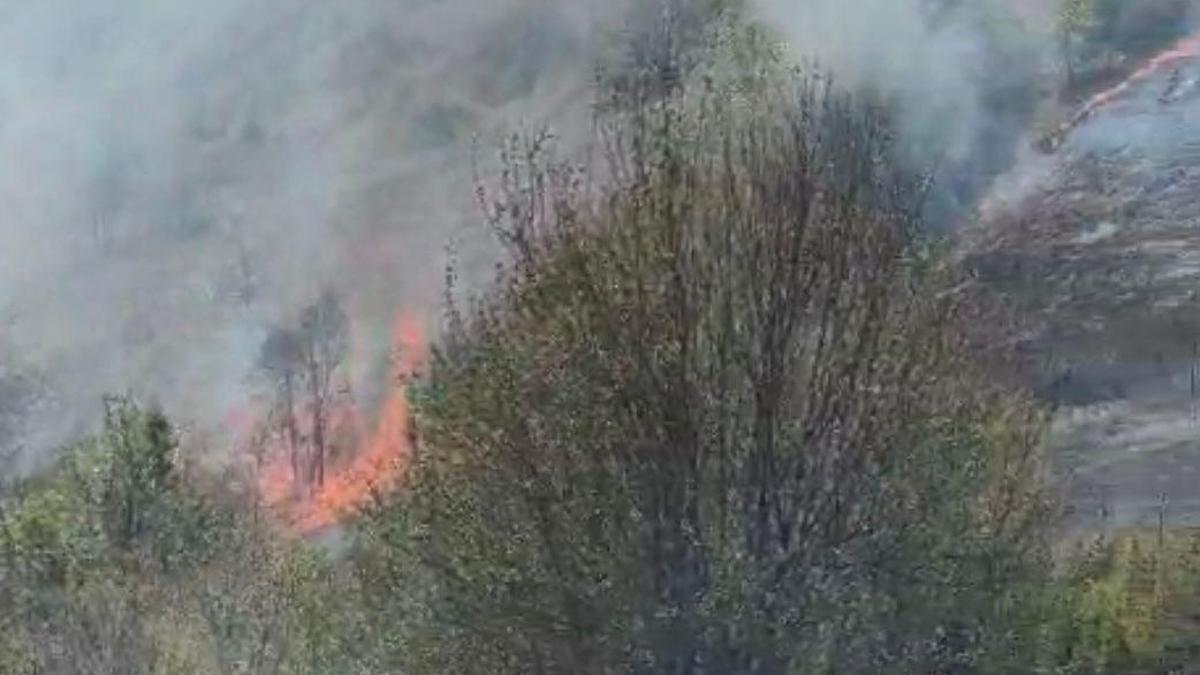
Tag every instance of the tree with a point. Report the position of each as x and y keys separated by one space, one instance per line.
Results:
x=111 y=508
x=301 y=365
x=323 y=339
x=1097 y=34
x=282 y=361
x=111 y=563
x=1076 y=18
x=716 y=415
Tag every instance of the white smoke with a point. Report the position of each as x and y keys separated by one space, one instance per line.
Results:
x=961 y=73
x=178 y=176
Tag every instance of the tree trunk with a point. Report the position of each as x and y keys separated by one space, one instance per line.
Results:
x=317 y=470
x=289 y=421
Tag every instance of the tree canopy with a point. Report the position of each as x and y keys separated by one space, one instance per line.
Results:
x=715 y=416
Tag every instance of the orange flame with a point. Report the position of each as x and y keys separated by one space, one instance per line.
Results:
x=376 y=466
x=379 y=464
x=1186 y=48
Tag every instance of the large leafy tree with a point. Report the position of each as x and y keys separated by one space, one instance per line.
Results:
x=716 y=414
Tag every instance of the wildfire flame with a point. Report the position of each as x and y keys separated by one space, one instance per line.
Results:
x=1186 y=48
x=375 y=466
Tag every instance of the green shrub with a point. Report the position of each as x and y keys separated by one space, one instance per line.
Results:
x=113 y=563
x=1128 y=604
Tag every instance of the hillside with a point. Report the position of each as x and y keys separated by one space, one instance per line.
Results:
x=180 y=179
x=663 y=337
x=1096 y=248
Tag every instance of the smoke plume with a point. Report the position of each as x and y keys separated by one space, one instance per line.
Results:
x=179 y=177
x=961 y=74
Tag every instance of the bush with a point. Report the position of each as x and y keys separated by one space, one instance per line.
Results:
x=1128 y=604
x=112 y=563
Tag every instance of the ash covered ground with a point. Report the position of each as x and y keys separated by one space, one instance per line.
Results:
x=1096 y=248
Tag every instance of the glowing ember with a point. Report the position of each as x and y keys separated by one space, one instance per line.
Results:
x=371 y=471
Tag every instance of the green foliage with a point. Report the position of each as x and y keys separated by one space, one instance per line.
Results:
x=721 y=412
x=715 y=416
x=1097 y=36
x=1077 y=17
x=1128 y=604
x=106 y=494
x=113 y=563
